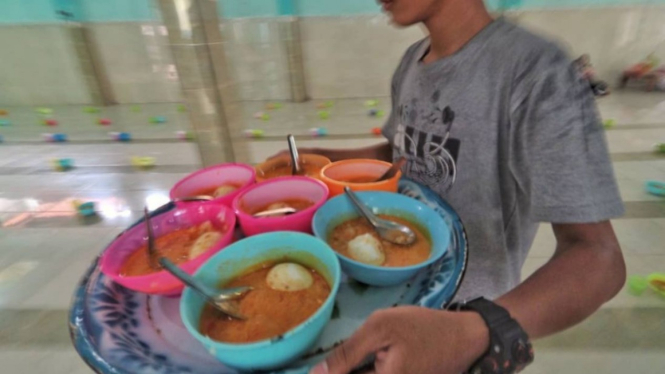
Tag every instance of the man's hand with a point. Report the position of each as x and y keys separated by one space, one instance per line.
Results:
x=412 y=340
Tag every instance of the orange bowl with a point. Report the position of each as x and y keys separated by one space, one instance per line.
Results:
x=354 y=173
x=281 y=167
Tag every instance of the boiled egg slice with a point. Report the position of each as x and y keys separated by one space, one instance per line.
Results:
x=224 y=190
x=278 y=205
x=289 y=277
x=203 y=243
x=367 y=249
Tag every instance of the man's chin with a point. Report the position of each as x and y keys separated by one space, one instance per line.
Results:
x=401 y=21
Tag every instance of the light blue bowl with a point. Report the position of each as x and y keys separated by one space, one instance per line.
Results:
x=231 y=262
x=340 y=209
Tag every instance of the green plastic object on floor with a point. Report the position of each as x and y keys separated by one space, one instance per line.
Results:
x=324 y=114
x=254 y=133
x=637 y=285
x=44 y=110
x=91 y=109
x=142 y=162
x=660 y=147
x=135 y=108
x=182 y=108
x=609 y=124
x=371 y=103
x=157 y=119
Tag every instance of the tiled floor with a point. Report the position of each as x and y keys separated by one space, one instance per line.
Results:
x=44 y=247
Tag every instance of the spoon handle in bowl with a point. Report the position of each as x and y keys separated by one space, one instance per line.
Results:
x=362 y=208
x=392 y=171
x=152 y=250
x=226 y=294
x=186 y=278
x=295 y=158
x=221 y=302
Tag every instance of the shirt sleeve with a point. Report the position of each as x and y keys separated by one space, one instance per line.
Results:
x=558 y=152
x=410 y=57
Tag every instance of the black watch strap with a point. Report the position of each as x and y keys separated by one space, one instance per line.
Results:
x=510 y=349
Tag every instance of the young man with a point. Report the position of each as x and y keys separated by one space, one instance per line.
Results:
x=499 y=123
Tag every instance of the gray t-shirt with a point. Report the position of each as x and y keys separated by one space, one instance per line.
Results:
x=506 y=131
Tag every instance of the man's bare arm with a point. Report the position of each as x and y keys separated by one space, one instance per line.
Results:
x=586 y=271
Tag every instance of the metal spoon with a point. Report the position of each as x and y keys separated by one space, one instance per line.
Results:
x=392 y=171
x=275 y=212
x=194 y=198
x=293 y=151
x=391 y=231
x=222 y=300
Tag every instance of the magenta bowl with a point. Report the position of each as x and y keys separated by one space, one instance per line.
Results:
x=180 y=216
x=215 y=176
x=275 y=190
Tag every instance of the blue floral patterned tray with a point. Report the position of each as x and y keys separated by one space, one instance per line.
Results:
x=116 y=330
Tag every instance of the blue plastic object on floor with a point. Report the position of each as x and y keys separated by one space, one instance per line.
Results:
x=655 y=188
x=5 y=122
x=121 y=136
x=87 y=209
x=59 y=138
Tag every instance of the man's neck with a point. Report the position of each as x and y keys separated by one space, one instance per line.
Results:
x=453 y=25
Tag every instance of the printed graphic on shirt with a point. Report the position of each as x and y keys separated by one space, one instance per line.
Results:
x=432 y=154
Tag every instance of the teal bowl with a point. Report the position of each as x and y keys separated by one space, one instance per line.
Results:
x=340 y=209
x=231 y=262
x=655 y=188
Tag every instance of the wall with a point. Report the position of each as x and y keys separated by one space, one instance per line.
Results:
x=308 y=8
x=349 y=48
x=133 y=48
x=614 y=37
x=27 y=11
x=255 y=51
x=137 y=61
x=355 y=55
x=38 y=62
x=39 y=65
x=352 y=56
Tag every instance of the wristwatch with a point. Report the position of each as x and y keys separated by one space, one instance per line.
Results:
x=510 y=350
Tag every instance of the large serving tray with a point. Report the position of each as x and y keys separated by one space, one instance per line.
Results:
x=116 y=330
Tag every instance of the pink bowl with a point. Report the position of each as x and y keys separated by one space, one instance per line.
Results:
x=275 y=190
x=181 y=216
x=213 y=177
